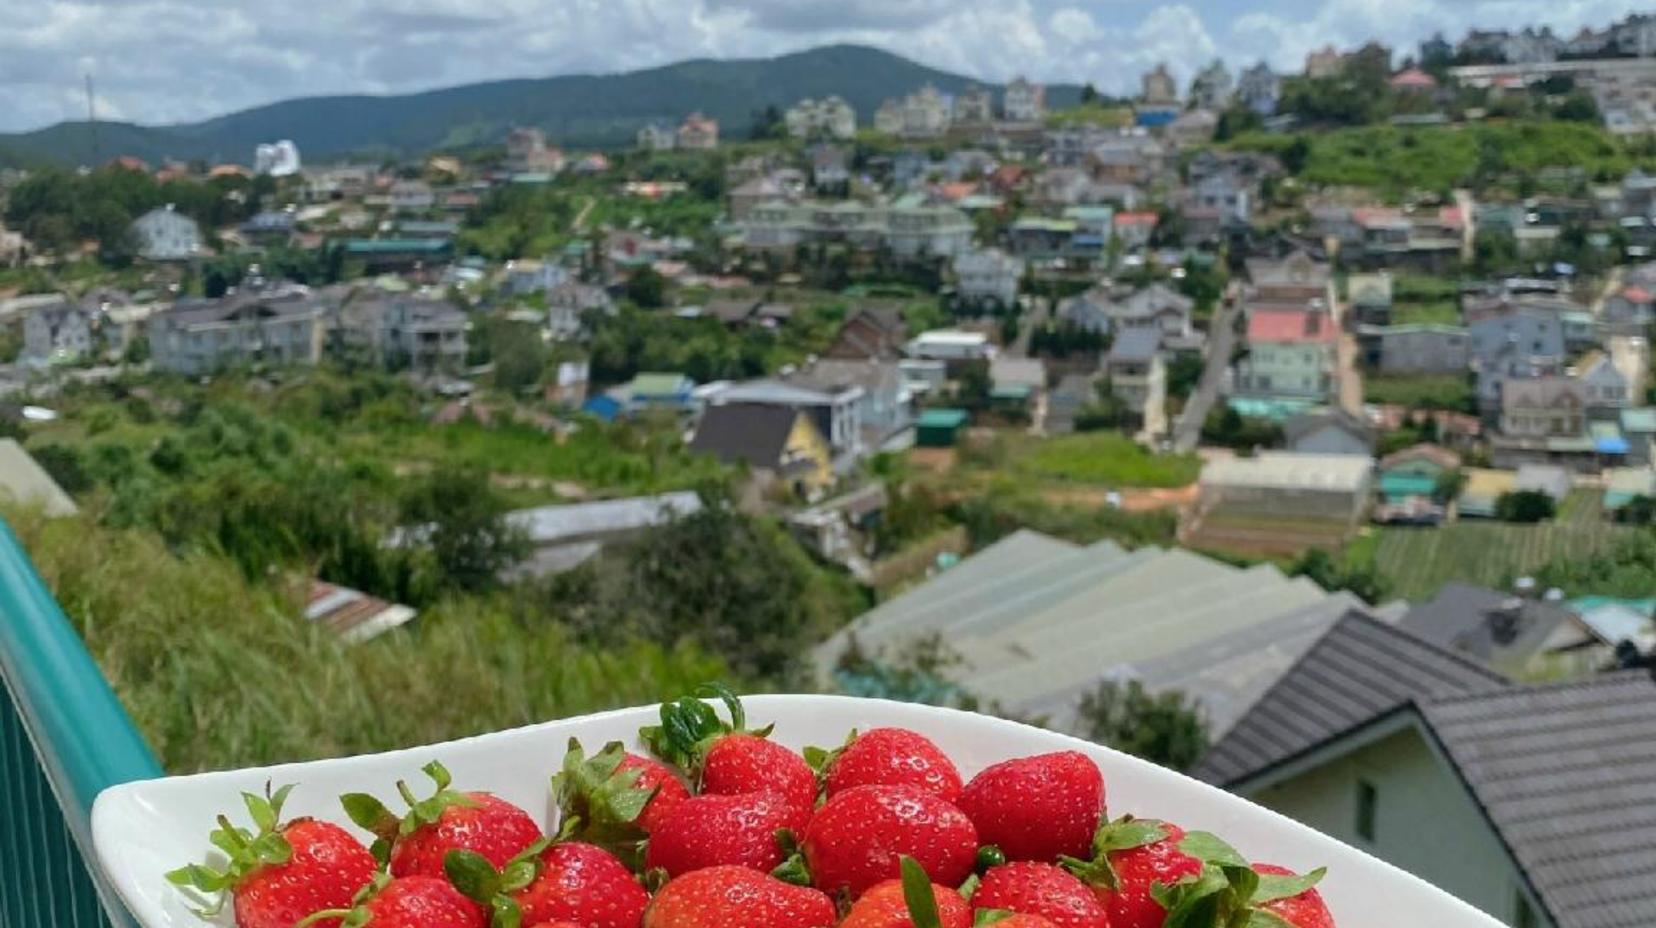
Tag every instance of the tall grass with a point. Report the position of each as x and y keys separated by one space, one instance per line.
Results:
x=220 y=672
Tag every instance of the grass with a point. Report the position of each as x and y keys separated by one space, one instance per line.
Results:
x=1108 y=458
x=1415 y=562
x=1430 y=391
x=220 y=672
x=1430 y=313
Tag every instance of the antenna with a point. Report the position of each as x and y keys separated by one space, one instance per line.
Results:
x=92 y=119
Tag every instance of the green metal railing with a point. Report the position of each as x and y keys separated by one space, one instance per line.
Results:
x=64 y=737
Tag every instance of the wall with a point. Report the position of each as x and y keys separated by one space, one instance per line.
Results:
x=1425 y=822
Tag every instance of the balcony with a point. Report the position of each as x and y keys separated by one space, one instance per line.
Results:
x=64 y=737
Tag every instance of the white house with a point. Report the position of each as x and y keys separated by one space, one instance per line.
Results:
x=412 y=196
x=1024 y=101
x=657 y=137
x=164 y=234
x=57 y=333
x=951 y=345
x=988 y=278
x=831 y=116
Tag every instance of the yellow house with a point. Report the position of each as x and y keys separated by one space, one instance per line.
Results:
x=777 y=442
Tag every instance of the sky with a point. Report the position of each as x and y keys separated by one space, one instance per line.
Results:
x=165 y=61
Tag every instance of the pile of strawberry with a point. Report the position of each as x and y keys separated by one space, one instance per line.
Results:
x=724 y=828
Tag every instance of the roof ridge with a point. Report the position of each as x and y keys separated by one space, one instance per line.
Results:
x=1525 y=688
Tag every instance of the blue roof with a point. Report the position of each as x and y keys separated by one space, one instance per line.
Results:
x=602 y=406
x=1610 y=444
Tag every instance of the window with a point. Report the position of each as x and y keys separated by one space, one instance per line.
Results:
x=1367 y=797
x=1523 y=916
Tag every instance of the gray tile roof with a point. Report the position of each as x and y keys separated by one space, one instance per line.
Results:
x=1496 y=628
x=1361 y=669
x=1136 y=345
x=751 y=432
x=1567 y=776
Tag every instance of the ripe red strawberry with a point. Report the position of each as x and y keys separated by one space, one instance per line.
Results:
x=911 y=902
x=613 y=799
x=284 y=872
x=1304 y=909
x=741 y=763
x=417 y=902
x=725 y=758
x=1017 y=920
x=449 y=820
x=1041 y=889
x=1037 y=808
x=856 y=839
x=736 y=897
x=711 y=831
x=1130 y=856
x=892 y=757
x=583 y=884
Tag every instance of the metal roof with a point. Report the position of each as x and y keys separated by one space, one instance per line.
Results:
x=548 y=525
x=1289 y=470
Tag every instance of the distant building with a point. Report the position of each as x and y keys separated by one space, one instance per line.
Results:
x=1159 y=87
x=278 y=327
x=1324 y=62
x=276 y=159
x=779 y=444
x=657 y=137
x=164 y=234
x=527 y=152
x=57 y=334
x=987 y=278
x=922 y=114
x=698 y=133
x=1212 y=87
x=831 y=117
x=974 y=106
x=1259 y=89
x=402 y=330
x=1024 y=101
x=908 y=230
x=412 y=196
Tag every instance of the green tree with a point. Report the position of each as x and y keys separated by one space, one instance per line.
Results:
x=1328 y=573
x=1525 y=506
x=646 y=288
x=458 y=515
x=1165 y=728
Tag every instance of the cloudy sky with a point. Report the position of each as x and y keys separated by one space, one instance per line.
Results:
x=159 y=61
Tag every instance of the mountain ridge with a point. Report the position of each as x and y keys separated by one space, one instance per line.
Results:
x=588 y=110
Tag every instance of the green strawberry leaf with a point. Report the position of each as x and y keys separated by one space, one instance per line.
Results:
x=1210 y=848
x=471 y=873
x=247 y=851
x=370 y=814
x=969 y=887
x=259 y=810
x=990 y=916
x=1199 y=901
x=505 y=913
x=1259 y=918
x=599 y=803
x=918 y=897
x=1271 y=886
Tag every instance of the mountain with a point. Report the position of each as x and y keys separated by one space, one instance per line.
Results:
x=579 y=110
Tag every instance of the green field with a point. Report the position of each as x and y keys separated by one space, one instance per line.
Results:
x=1109 y=458
x=1415 y=562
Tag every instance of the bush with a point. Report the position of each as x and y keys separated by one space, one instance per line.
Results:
x=1525 y=506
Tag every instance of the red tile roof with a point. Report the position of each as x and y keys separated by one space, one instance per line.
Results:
x=1291 y=326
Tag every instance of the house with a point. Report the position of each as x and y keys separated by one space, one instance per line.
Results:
x=698 y=133
x=1212 y=87
x=397 y=255
x=870 y=334
x=836 y=411
x=1524 y=800
x=526 y=276
x=24 y=482
x=658 y=392
x=1137 y=374
x=752 y=193
x=939 y=428
x=1418 y=471
x=1023 y=101
x=568 y=303
x=951 y=345
x=1038 y=623
x=1543 y=407
x=269 y=227
x=527 y=152
x=988 y=278
x=974 y=106
x=1518 y=344
x=412 y=196
x=656 y=136
x=1259 y=88
x=1016 y=383
x=830 y=168
x=1155 y=306
x=1370 y=296
x=1135 y=229
x=1423 y=348
x=1159 y=86
x=1298 y=278
x=164 y=234
x=831 y=117
x=406 y=331
x=1638 y=428
x=1329 y=431
x=1191 y=128
x=276 y=326
x=1482 y=489
x=1543 y=478
x=58 y=334
x=1273 y=484
x=883 y=399
x=1602 y=386
x=1072 y=393
x=1291 y=353
x=909 y=229
x=780 y=444
x=1517 y=636
x=563 y=536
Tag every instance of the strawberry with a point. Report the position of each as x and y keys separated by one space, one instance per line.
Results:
x=891 y=757
x=284 y=872
x=1304 y=909
x=725 y=758
x=1033 y=888
x=855 y=839
x=1230 y=893
x=1129 y=857
x=711 y=831
x=1004 y=919
x=613 y=799
x=449 y=820
x=911 y=902
x=737 y=897
x=410 y=902
x=1037 y=808
x=568 y=882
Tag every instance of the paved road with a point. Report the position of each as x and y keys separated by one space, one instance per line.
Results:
x=1033 y=311
x=1221 y=342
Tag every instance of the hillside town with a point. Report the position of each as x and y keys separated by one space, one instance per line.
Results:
x=1312 y=411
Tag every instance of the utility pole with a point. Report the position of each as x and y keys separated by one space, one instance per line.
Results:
x=92 y=120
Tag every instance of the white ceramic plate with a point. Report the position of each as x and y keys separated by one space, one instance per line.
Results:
x=144 y=829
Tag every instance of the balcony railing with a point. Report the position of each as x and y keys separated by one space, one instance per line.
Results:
x=64 y=737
